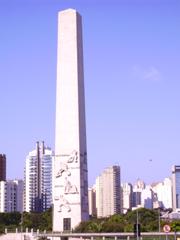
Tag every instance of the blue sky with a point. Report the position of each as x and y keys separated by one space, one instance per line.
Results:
x=132 y=83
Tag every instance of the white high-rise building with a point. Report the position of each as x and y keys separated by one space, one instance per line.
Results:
x=3 y=198
x=11 y=196
x=70 y=174
x=38 y=179
x=108 y=192
x=99 y=196
x=147 y=197
x=163 y=194
x=126 y=195
x=137 y=193
x=92 y=201
x=176 y=187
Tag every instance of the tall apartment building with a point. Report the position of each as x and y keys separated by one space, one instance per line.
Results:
x=163 y=194
x=108 y=192
x=3 y=199
x=137 y=193
x=126 y=196
x=176 y=187
x=92 y=201
x=147 y=197
x=2 y=167
x=11 y=196
x=38 y=179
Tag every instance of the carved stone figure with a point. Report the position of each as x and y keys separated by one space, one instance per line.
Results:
x=69 y=188
x=63 y=169
x=73 y=157
x=63 y=203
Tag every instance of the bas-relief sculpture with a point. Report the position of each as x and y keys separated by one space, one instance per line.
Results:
x=62 y=203
x=64 y=172
x=71 y=158
x=69 y=187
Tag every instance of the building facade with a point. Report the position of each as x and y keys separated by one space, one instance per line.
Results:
x=38 y=179
x=11 y=196
x=108 y=192
x=138 y=187
x=2 y=167
x=92 y=201
x=70 y=174
x=126 y=197
x=3 y=198
x=176 y=187
x=147 y=197
x=163 y=194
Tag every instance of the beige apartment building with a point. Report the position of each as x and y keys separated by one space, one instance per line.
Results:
x=108 y=192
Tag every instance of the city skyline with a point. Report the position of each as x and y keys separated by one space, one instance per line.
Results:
x=131 y=56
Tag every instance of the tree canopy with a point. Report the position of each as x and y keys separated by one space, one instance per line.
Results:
x=148 y=219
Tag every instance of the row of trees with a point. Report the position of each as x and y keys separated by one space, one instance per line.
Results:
x=14 y=220
x=149 y=220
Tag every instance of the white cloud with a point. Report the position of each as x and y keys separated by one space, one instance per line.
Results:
x=149 y=73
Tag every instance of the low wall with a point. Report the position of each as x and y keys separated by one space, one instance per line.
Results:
x=17 y=236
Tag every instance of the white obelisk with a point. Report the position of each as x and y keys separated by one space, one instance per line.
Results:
x=70 y=180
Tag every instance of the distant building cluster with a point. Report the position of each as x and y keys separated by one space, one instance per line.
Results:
x=109 y=196
x=34 y=194
x=106 y=197
x=11 y=191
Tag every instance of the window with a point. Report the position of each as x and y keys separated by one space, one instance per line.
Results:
x=67 y=224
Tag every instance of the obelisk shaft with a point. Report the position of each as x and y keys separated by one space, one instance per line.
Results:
x=70 y=190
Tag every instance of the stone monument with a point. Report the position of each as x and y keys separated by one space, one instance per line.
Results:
x=70 y=175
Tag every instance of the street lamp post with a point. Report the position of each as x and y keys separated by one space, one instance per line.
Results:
x=21 y=225
x=137 y=197
x=159 y=219
x=137 y=222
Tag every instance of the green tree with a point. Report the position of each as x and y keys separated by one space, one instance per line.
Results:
x=175 y=226
x=41 y=221
x=147 y=218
